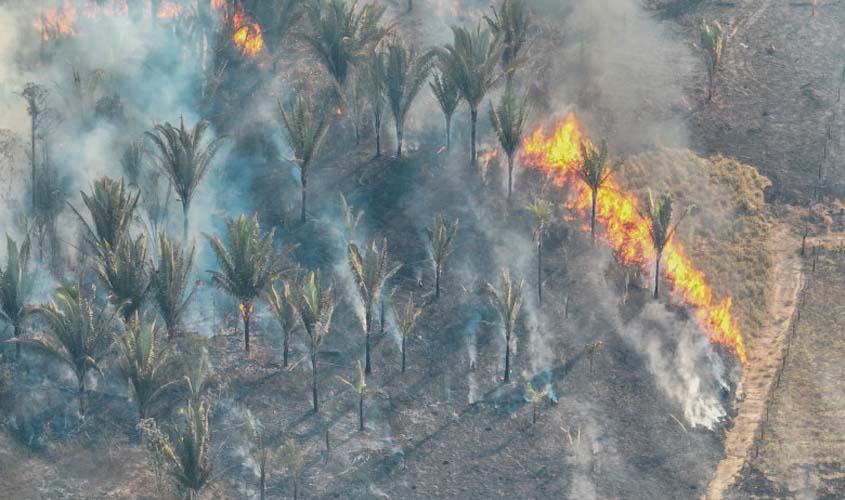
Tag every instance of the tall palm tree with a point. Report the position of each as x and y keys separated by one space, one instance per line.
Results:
x=145 y=365
x=712 y=42
x=371 y=269
x=186 y=449
x=360 y=387
x=305 y=127
x=79 y=334
x=376 y=74
x=508 y=120
x=658 y=214
x=342 y=34
x=542 y=211
x=448 y=97
x=440 y=238
x=124 y=272
x=510 y=22
x=249 y=266
x=508 y=301
x=594 y=171
x=405 y=75
x=112 y=209
x=315 y=303
x=16 y=283
x=407 y=318
x=281 y=303
x=470 y=62
x=169 y=282
x=184 y=157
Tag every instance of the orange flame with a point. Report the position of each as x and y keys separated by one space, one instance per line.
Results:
x=628 y=232
x=57 y=22
x=169 y=10
x=488 y=157
x=247 y=34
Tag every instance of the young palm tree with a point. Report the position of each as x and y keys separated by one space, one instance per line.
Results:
x=315 y=303
x=510 y=22
x=542 y=211
x=712 y=42
x=407 y=318
x=16 y=283
x=342 y=34
x=248 y=267
x=448 y=97
x=169 y=282
x=658 y=214
x=440 y=238
x=536 y=398
x=470 y=62
x=124 y=272
x=405 y=75
x=509 y=121
x=293 y=463
x=508 y=301
x=351 y=218
x=145 y=365
x=594 y=172
x=371 y=270
x=184 y=157
x=281 y=303
x=305 y=128
x=186 y=449
x=360 y=387
x=79 y=334
x=591 y=349
x=112 y=208
x=375 y=84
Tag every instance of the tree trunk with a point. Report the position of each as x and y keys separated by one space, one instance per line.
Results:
x=448 y=132
x=595 y=195
x=399 y=134
x=286 y=349
x=296 y=490
x=507 y=357
x=314 y=382
x=32 y=120
x=262 y=480
x=81 y=395
x=437 y=281
x=377 y=124
x=657 y=272
x=246 y=314
x=368 y=319
x=403 y=353
x=186 y=207
x=304 y=181
x=510 y=176
x=410 y=5
x=540 y=267
x=16 y=330
x=361 y=412
x=381 y=320
x=474 y=119
x=534 y=413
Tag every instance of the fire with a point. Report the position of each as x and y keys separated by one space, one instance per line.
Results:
x=169 y=10
x=247 y=34
x=57 y=22
x=627 y=231
x=488 y=157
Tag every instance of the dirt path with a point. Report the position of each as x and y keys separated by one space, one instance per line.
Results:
x=765 y=352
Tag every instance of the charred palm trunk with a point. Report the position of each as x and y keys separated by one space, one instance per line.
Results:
x=377 y=125
x=534 y=414
x=507 y=357
x=657 y=272
x=186 y=207
x=32 y=128
x=314 y=381
x=399 y=135
x=246 y=314
x=285 y=349
x=437 y=272
x=403 y=353
x=16 y=331
x=510 y=176
x=304 y=179
x=473 y=119
x=540 y=267
x=595 y=193
x=448 y=132
x=368 y=320
x=361 y=412
x=80 y=395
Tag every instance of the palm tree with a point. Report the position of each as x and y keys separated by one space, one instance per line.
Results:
x=591 y=349
x=169 y=282
x=542 y=211
x=376 y=74
x=594 y=172
x=146 y=366
x=16 y=283
x=186 y=449
x=509 y=121
x=315 y=303
x=184 y=157
x=510 y=22
x=79 y=333
x=124 y=272
x=508 y=301
x=405 y=75
x=112 y=209
x=249 y=266
x=360 y=387
x=658 y=215
x=305 y=128
x=448 y=97
x=132 y=161
x=470 y=62
x=712 y=42
x=293 y=462
x=342 y=33
x=440 y=239
x=371 y=270
x=281 y=303
x=407 y=317
x=535 y=397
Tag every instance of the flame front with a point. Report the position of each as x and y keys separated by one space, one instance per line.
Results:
x=627 y=231
x=247 y=34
